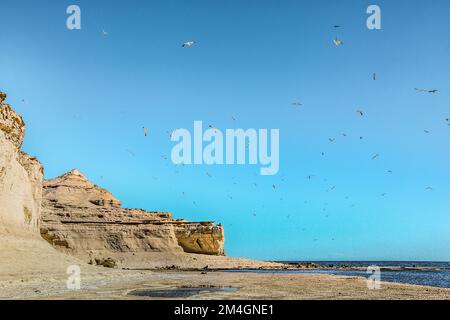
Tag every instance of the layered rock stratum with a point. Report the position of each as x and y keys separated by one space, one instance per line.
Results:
x=87 y=221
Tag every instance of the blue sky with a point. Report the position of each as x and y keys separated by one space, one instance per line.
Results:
x=87 y=97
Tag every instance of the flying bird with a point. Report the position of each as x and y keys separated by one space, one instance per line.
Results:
x=104 y=33
x=188 y=44
x=374 y=76
x=361 y=113
x=338 y=42
x=296 y=104
x=145 y=131
x=375 y=156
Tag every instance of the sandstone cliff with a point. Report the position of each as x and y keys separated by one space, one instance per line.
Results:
x=22 y=250
x=20 y=175
x=87 y=221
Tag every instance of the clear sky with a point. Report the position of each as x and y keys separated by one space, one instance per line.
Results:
x=88 y=95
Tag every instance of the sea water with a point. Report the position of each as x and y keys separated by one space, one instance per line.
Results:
x=433 y=278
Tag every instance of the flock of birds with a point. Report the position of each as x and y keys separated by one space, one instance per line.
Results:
x=297 y=104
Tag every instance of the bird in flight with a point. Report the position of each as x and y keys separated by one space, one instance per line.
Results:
x=361 y=113
x=426 y=131
x=336 y=26
x=375 y=156
x=374 y=76
x=188 y=44
x=104 y=33
x=429 y=188
x=296 y=104
x=145 y=131
x=427 y=91
x=332 y=139
x=338 y=42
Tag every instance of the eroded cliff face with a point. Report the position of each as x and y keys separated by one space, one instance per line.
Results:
x=20 y=175
x=87 y=221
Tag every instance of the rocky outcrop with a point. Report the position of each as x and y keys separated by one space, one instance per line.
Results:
x=87 y=221
x=20 y=175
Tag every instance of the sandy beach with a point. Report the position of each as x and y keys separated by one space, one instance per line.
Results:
x=118 y=284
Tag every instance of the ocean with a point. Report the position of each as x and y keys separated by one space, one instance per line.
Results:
x=433 y=278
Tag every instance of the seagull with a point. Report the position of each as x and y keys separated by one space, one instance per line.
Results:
x=429 y=188
x=374 y=76
x=427 y=91
x=145 y=131
x=274 y=186
x=338 y=42
x=188 y=44
x=426 y=131
x=361 y=113
x=296 y=104
x=331 y=139
x=336 y=26
x=375 y=156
